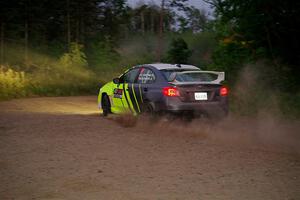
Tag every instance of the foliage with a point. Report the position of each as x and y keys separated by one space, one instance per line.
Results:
x=12 y=83
x=63 y=82
x=259 y=29
x=202 y=46
x=67 y=76
x=102 y=55
x=195 y=20
x=178 y=51
x=74 y=58
x=47 y=76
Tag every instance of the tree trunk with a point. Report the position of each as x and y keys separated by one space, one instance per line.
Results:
x=77 y=31
x=78 y=17
x=160 y=36
x=2 y=43
x=152 y=22
x=26 y=33
x=82 y=31
x=68 y=25
x=26 y=41
x=143 y=22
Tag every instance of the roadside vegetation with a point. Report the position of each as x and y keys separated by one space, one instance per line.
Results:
x=72 y=47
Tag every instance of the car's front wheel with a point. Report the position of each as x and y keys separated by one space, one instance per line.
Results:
x=105 y=105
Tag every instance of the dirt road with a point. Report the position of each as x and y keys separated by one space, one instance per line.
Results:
x=59 y=148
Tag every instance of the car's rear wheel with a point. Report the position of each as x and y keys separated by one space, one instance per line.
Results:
x=105 y=105
x=149 y=111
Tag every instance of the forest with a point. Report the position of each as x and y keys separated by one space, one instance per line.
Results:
x=72 y=47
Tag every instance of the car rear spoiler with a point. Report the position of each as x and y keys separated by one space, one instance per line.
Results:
x=220 y=78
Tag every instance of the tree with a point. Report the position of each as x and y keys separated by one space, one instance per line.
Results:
x=260 y=29
x=266 y=24
x=195 y=20
x=179 y=4
x=179 y=51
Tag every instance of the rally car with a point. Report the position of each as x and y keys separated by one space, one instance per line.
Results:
x=165 y=88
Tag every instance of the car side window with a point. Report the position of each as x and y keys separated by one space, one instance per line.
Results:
x=130 y=76
x=146 y=76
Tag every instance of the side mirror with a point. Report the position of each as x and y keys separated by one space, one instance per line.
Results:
x=116 y=80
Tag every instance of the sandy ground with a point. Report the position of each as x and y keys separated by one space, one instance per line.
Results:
x=60 y=148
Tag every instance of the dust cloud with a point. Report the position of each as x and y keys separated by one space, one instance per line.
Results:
x=256 y=121
x=263 y=131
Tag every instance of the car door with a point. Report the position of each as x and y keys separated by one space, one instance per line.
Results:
x=121 y=100
x=146 y=86
x=128 y=81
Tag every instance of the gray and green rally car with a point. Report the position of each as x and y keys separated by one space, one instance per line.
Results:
x=165 y=88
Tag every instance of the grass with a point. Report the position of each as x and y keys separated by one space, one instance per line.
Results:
x=12 y=83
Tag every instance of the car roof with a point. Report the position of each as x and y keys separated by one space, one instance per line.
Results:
x=162 y=66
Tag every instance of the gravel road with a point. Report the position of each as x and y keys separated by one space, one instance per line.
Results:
x=60 y=148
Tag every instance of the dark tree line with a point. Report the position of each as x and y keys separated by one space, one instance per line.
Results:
x=260 y=30
x=59 y=22
x=264 y=25
x=66 y=21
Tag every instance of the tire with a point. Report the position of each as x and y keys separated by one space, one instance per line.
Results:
x=149 y=111
x=105 y=103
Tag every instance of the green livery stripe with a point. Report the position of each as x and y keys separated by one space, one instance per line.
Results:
x=122 y=103
x=125 y=93
x=134 y=104
x=129 y=98
x=141 y=95
x=137 y=103
x=137 y=91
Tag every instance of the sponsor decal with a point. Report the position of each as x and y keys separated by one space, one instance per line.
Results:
x=118 y=93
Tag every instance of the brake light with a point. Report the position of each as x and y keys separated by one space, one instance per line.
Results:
x=223 y=91
x=171 y=92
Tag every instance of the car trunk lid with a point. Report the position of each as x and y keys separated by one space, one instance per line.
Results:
x=198 y=92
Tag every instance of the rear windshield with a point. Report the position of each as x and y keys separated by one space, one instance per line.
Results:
x=195 y=77
x=175 y=75
x=169 y=74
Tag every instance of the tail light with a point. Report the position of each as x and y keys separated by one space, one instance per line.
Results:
x=171 y=92
x=223 y=91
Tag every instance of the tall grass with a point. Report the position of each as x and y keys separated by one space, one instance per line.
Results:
x=12 y=83
x=43 y=75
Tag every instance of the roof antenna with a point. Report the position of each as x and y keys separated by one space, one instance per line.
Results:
x=178 y=65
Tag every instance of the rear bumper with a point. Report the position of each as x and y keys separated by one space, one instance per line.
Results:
x=174 y=104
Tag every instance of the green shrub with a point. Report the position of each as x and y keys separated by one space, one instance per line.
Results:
x=178 y=51
x=12 y=83
x=202 y=46
x=75 y=58
x=68 y=76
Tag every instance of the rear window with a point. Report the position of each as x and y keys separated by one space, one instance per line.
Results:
x=195 y=77
x=169 y=74
x=188 y=75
